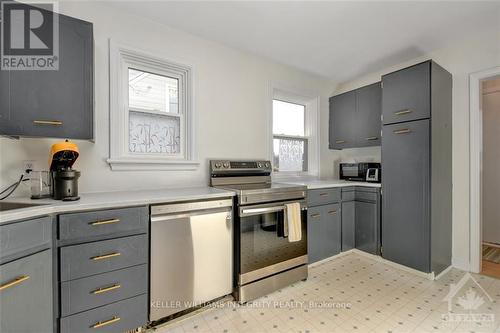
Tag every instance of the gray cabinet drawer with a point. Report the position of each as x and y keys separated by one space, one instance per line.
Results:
x=98 y=290
x=18 y=238
x=26 y=296
x=82 y=260
x=323 y=196
x=348 y=194
x=101 y=223
x=366 y=196
x=121 y=316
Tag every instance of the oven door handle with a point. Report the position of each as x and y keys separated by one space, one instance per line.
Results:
x=259 y=211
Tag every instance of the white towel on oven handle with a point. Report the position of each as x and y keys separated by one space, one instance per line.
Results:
x=293 y=221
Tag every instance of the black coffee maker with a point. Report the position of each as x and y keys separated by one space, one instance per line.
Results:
x=64 y=179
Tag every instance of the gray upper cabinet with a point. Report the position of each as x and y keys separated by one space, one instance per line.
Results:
x=342 y=121
x=368 y=102
x=355 y=118
x=407 y=94
x=26 y=294
x=53 y=103
x=406 y=200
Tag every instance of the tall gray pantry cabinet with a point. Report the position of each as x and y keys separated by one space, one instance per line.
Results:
x=416 y=160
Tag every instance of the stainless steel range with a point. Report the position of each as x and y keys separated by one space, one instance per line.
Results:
x=265 y=260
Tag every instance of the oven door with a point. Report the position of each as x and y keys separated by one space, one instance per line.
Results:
x=262 y=242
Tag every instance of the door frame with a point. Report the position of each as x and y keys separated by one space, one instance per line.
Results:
x=475 y=166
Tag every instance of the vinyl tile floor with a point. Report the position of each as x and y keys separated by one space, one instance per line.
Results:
x=356 y=293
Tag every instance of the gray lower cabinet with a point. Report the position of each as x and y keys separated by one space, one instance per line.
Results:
x=104 y=281
x=406 y=199
x=348 y=225
x=367 y=231
x=323 y=231
x=26 y=294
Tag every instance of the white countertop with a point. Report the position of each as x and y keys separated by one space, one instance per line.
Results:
x=106 y=200
x=314 y=183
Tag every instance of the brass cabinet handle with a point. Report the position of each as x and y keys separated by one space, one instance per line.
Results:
x=324 y=194
x=372 y=138
x=106 y=322
x=103 y=290
x=402 y=112
x=315 y=215
x=334 y=211
x=16 y=281
x=106 y=256
x=340 y=141
x=105 y=222
x=48 y=122
x=402 y=131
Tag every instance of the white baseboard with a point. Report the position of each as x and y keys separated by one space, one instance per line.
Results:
x=429 y=276
x=460 y=264
x=440 y=275
x=341 y=254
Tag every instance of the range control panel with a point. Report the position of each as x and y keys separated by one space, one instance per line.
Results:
x=239 y=165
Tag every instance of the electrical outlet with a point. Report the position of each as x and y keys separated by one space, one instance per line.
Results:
x=28 y=165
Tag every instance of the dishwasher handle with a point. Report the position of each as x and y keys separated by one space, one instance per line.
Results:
x=187 y=215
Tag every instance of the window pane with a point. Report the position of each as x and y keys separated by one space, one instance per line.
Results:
x=153 y=133
x=288 y=118
x=153 y=92
x=290 y=154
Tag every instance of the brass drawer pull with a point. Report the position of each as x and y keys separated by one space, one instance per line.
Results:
x=324 y=194
x=334 y=211
x=106 y=256
x=372 y=138
x=340 y=141
x=107 y=322
x=402 y=131
x=14 y=282
x=103 y=290
x=105 y=222
x=315 y=215
x=48 y=122
x=402 y=112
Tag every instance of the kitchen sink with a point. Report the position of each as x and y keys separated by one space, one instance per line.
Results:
x=15 y=205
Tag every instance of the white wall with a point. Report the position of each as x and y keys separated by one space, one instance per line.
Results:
x=491 y=161
x=472 y=54
x=231 y=101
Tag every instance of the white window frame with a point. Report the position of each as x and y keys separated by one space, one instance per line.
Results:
x=311 y=101
x=121 y=59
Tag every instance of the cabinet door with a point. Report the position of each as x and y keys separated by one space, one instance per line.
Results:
x=323 y=232
x=367 y=230
x=348 y=220
x=368 y=112
x=406 y=94
x=26 y=294
x=342 y=127
x=406 y=199
x=53 y=103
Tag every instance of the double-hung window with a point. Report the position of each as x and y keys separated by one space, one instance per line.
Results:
x=151 y=114
x=294 y=135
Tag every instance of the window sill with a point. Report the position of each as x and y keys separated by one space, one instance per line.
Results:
x=123 y=164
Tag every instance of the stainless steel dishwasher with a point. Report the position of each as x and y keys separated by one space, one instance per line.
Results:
x=191 y=255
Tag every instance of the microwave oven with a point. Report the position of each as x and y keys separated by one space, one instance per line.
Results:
x=364 y=171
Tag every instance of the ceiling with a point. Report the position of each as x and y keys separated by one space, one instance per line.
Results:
x=339 y=40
